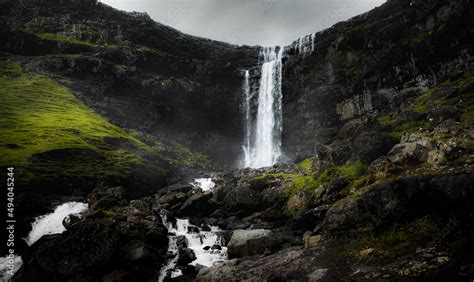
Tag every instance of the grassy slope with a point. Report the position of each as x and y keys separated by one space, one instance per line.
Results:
x=50 y=134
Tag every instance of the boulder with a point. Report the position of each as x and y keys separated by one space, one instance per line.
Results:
x=242 y=199
x=199 y=204
x=249 y=242
x=411 y=150
x=186 y=256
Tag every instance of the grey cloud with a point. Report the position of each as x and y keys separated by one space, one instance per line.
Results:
x=251 y=22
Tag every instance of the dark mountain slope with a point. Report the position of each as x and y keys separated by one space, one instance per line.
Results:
x=372 y=67
x=140 y=74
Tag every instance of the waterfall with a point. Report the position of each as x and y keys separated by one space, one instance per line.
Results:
x=305 y=44
x=265 y=148
x=248 y=122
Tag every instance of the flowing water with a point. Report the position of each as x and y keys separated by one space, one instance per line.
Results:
x=248 y=121
x=53 y=223
x=265 y=148
x=43 y=225
x=305 y=44
x=205 y=184
x=200 y=243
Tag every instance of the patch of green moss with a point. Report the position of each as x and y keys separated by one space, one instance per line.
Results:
x=353 y=171
x=411 y=127
x=308 y=183
x=400 y=237
x=108 y=213
x=387 y=119
x=62 y=38
x=307 y=164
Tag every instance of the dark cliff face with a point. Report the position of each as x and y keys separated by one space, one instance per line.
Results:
x=369 y=66
x=140 y=74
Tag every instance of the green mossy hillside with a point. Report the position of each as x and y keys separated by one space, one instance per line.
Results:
x=51 y=136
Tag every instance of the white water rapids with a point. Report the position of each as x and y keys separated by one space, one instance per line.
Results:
x=43 y=225
x=205 y=184
x=199 y=241
x=196 y=242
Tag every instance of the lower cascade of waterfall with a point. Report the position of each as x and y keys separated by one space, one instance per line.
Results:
x=207 y=247
x=262 y=146
x=47 y=224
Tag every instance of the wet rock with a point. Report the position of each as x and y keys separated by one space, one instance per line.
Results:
x=106 y=198
x=249 y=242
x=193 y=229
x=172 y=200
x=136 y=250
x=181 y=242
x=199 y=204
x=185 y=257
x=412 y=149
x=242 y=199
x=179 y=187
x=70 y=220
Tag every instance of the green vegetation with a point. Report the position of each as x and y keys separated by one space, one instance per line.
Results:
x=53 y=136
x=353 y=173
x=306 y=164
x=400 y=237
x=62 y=38
x=387 y=119
x=410 y=127
x=108 y=213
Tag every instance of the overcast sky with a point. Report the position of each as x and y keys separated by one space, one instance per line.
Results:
x=251 y=22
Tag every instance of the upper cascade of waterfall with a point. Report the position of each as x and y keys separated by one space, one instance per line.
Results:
x=305 y=44
x=262 y=133
x=262 y=146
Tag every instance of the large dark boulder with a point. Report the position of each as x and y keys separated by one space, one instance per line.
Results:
x=249 y=242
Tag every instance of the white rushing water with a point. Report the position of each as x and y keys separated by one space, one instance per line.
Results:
x=52 y=223
x=43 y=225
x=196 y=242
x=265 y=148
x=305 y=44
x=206 y=184
x=6 y=263
x=248 y=122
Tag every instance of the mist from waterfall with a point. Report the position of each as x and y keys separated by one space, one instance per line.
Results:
x=263 y=147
